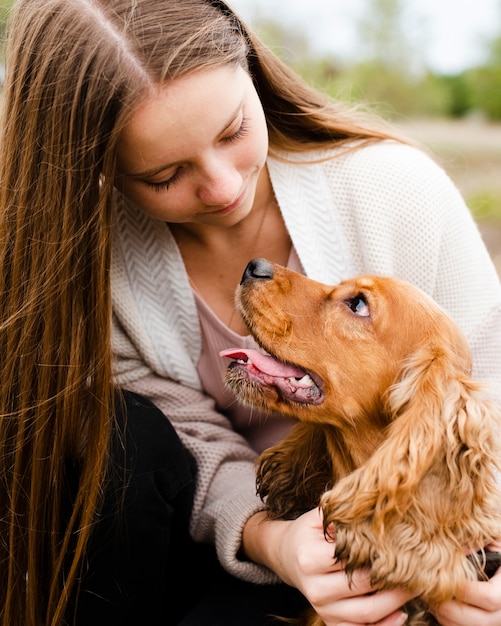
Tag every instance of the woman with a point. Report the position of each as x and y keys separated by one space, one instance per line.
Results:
x=150 y=149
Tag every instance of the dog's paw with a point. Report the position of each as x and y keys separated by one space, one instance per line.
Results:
x=355 y=545
x=435 y=570
x=348 y=501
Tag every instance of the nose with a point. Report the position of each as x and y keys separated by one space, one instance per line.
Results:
x=221 y=185
x=257 y=269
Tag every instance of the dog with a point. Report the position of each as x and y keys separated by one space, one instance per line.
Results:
x=392 y=438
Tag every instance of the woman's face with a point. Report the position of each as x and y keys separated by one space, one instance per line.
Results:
x=193 y=151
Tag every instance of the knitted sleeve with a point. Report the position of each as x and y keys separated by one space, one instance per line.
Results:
x=226 y=494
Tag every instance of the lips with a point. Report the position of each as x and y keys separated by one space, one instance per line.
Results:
x=293 y=383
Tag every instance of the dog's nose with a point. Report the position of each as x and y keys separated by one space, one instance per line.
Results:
x=257 y=269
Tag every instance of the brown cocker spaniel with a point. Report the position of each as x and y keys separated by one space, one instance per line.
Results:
x=393 y=438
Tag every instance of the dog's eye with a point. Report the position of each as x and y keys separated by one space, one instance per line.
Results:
x=359 y=306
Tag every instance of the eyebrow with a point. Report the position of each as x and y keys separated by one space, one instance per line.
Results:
x=156 y=170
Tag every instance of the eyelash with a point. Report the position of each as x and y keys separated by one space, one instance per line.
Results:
x=166 y=183
x=241 y=132
x=236 y=136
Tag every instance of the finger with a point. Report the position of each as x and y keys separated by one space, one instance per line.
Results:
x=484 y=594
x=457 y=614
x=481 y=604
x=398 y=618
x=327 y=591
x=381 y=608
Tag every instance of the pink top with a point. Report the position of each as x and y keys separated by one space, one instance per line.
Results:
x=259 y=428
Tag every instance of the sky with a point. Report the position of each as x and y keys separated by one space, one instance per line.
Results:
x=451 y=34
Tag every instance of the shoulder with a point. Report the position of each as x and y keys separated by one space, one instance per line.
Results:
x=396 y=177
x=389 y=160
x=383 y=181
x=378 y=164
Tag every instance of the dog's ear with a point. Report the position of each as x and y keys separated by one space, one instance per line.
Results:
x=292 y=475
x=442 y=423
x=440 y=413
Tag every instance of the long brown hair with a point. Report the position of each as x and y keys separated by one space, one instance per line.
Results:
x=76 y=69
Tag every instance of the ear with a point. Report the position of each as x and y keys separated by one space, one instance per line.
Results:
x=293 y=474
x=439 y=419
x=442 y=418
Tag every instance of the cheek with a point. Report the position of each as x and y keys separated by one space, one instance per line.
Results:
x=257 y=140
x=253 y=151
x=150 y=202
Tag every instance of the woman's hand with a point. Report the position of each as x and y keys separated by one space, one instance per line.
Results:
x=480 y=605
x=299 y=554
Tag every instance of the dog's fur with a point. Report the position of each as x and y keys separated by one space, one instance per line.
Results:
x=393 y=438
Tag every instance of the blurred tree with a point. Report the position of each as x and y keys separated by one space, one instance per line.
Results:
x=389 y=72
x=5 y=6
x=390 y=75
x=485 y=84
x=459 y=94
x=381 y=37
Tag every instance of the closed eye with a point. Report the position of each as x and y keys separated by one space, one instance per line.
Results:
x=358 y=305
x=165 y=184
x=241 y=131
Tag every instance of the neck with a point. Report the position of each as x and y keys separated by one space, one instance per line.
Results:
x=352 y=447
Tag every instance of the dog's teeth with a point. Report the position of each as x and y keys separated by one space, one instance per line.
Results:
x=244 y=361
x=306 y=380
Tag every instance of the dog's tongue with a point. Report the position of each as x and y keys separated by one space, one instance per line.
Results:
x=263 y=362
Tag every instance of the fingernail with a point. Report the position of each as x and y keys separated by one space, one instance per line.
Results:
x=401 y=619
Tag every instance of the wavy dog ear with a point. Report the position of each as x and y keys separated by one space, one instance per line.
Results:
x=443 y=418
x=292 y=475
x=440 y=418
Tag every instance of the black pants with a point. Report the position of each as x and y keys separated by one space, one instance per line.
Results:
x=143 y=567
